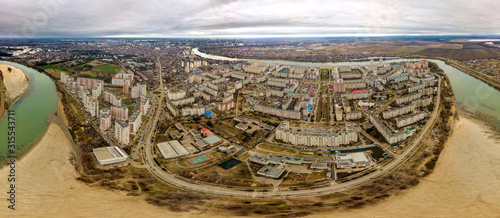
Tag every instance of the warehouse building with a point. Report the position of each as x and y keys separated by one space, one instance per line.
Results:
x=109 y=155
x=172 y=149
x=352 y=160
x=271 y=172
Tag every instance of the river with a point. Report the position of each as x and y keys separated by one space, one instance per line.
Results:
x=471 y=94
x=31 y=111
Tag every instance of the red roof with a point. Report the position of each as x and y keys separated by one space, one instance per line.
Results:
x=359 y=91
x=206 y=132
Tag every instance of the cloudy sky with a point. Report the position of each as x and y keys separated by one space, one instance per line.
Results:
x=226 y=18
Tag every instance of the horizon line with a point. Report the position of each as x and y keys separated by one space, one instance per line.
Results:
x=249 y=36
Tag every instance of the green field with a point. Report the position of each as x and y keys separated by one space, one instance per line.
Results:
x=108 y=68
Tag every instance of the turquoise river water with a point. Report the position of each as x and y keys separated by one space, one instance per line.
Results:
x=31 y=111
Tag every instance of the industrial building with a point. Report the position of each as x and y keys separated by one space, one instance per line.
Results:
x=109 y=155
x=271 y=172
x=352 y=160
x=172 y=149
x=212 y=140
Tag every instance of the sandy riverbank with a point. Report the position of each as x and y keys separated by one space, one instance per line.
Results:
x=15 y=81
x=47 y=187
x=465 y=183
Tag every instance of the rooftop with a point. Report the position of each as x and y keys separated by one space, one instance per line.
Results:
x=270 y=172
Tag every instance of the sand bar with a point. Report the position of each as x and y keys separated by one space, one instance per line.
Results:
x=16 y=82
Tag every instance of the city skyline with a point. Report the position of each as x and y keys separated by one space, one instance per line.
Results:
x=61 y=18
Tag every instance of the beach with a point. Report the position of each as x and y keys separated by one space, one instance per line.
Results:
x=465 y=183
x=15 y=81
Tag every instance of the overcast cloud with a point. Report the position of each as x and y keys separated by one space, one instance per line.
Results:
x=208 y=18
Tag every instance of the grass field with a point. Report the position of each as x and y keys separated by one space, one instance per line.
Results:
x=278 y=149
x=108 y=68
x=55 y=67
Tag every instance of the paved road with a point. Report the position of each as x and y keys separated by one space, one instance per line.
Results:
x=209 y=189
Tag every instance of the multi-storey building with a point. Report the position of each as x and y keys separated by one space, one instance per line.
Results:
x=64 y=77
x=112 y=98
x=105 y=120
x=138 y=91
x=144 y=105
x=225 y=106
x=405 y=121
x=339 y=87
x=278 y=112
x=398 y=111
x=90 y=83
x=176 y=95
x=316 y=137
x=193 y=111
x=354 y=115
x=391 y=137
x=182 y=102
x=135 y=121
x=122 y=131
x=408 y=98
x=416 y=88
x=119 y=112
x=422 y=102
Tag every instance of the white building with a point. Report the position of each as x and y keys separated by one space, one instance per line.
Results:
x=109 y=155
